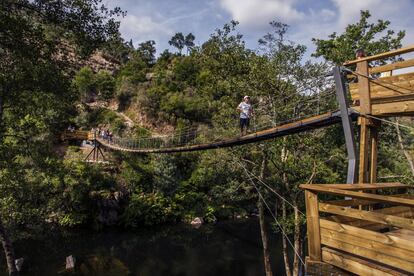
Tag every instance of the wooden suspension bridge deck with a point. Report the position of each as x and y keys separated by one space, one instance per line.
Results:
x=313 y=122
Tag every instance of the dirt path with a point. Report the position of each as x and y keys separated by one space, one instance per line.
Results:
x=128 y=121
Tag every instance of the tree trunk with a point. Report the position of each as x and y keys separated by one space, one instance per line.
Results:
x=297 y=243
x=265 y=239
x=284 y=243
x=8 y=250
x=263 y=230
x=406 y=153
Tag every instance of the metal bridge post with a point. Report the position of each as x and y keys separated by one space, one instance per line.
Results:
x=346 y=123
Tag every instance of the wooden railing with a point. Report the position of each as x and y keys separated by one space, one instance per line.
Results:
x=77 y=135
x=365 y=233
x=379 y=91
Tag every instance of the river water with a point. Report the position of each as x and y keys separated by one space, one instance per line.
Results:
x=226 y=248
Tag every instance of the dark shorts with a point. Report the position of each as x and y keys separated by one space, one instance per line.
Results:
x=244 y=122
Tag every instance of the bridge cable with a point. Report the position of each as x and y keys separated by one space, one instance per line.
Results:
x=270 y=211
x=274 y=191
x=388 y=121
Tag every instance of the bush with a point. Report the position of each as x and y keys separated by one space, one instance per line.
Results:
x=105 y=85
x=148 y=210
x=84 y=82
x=134 y=70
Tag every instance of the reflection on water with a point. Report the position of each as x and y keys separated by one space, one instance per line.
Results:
x=227 y=248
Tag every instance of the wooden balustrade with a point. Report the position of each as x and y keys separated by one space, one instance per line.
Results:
x=379 y=91
x=375 y=242
x=77 y=135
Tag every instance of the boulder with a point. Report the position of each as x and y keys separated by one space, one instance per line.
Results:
x=19 y=264
x=70 y=262
x=197 y=222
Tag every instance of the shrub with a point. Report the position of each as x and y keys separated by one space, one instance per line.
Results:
x=149 y=209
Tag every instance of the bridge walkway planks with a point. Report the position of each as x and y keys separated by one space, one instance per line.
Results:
x=314 y=122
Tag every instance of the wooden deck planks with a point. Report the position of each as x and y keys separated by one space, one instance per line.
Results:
x=314 y=122
x=356 y=265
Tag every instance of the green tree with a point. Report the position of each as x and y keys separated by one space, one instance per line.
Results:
x=178 y=41
x=117 y=49
x=134 y=70
x=84 y=81
x=189 y=42
x=105 y=84
x=35 y=93
x=374 y=38
x=146 y=51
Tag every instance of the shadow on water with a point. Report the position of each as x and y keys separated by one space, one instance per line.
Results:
x=227 y=248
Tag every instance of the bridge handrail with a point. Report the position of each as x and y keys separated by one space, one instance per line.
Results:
x=78 y=134
x=397 y=52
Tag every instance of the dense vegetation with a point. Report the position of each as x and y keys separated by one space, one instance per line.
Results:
x=42 y=92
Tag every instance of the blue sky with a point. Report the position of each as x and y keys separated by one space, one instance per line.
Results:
x=160 y=19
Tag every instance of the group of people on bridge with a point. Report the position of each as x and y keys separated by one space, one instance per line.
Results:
x=105 y=134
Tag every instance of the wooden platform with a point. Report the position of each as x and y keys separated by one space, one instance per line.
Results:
x=390 y=94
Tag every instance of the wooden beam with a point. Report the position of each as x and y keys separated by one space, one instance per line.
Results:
x=355 y=202
x=373 y=216
x=391 y=99
x=394 y=109
x=312 y=220
x=397 y=52
x=385 y=238
x=369 y=244
x=355 y=265
x=370 y=254
x=357 y=187
x=364 y=88
x=398 y=109
x=350 y=202
x=360 y=195
x=402 y=84
x=401 y=211
x=374 y=155
x=404 y=233
x=365 y=108
x=392 y=66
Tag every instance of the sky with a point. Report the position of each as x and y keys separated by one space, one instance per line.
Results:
x=159 y=20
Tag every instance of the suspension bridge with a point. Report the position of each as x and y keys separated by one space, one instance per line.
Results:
x=356 y=235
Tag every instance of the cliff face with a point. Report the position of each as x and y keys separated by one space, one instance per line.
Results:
x=97 y=61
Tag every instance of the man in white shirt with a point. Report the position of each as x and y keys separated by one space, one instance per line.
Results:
x=246 y=110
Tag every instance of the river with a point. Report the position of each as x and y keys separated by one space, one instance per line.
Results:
x=226 y=248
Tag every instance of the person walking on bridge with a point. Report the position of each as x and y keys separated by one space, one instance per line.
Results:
x=246 y=111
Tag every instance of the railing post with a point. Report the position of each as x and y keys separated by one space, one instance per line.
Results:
x=365 y=109
x=313 y=230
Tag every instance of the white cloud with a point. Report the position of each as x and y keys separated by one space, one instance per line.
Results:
x=349 y=10
x=326 y=14
x=137 y=26
x=260 y=12
x=143 y=28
